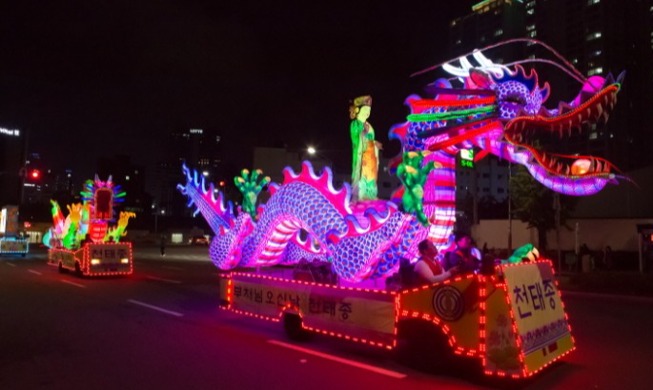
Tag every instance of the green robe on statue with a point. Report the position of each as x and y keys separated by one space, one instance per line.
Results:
x=364 y=161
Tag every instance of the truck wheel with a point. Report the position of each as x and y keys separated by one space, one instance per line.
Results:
x=78 y=269
x=422 y=346
x=61 y=269
x=292 y=324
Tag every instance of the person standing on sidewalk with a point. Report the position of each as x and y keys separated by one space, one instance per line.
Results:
x=163 y=245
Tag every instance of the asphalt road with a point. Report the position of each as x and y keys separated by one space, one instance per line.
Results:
x=161 y=328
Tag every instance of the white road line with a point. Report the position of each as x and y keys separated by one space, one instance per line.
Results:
x=162 y=310
x=172 y=268
x=34 y=272
x=11 y=264
x=162 y=279
x=353 y=363
x=73 y=283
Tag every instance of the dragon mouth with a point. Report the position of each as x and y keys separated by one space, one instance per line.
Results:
x=524 y=131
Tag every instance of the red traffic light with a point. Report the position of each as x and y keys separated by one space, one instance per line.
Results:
x=35 y=174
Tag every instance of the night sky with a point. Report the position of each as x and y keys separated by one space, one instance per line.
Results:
x=98 y=78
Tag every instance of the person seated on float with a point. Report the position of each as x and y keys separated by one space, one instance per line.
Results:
x=461 y=256
x=427 y=268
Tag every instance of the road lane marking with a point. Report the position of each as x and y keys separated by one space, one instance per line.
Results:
x=353 y=363
x=73 y=283
x=162 y=279
x=34 y=272
x=162 y=310
x=11 y=264
x=172 y=268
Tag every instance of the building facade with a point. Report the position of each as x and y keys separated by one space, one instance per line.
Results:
x=596 y=37
x=12 y=163
x=199 y=149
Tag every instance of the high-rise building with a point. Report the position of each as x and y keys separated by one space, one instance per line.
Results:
x=130 y=177
x=199 y=149
x=12 y=162
x=597 y=37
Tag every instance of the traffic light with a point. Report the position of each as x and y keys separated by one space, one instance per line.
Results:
x=35 y=174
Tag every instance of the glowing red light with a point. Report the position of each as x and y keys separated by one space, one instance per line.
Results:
x=35 y=174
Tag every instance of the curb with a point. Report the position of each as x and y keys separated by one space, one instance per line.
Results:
x=616 y=297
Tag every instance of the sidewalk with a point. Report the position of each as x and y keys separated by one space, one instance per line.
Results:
x=627 y=283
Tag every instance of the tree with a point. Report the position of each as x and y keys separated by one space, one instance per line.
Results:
x=534 y=204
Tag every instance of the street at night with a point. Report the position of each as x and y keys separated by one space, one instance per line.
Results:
x=349 y=195
x=162 y=328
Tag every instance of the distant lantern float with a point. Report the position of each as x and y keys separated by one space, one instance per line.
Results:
x=580 y=167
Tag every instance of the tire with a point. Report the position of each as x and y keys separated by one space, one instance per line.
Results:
x=78 y=269
x=292 y=324
x=60 y=267
x=420 y=345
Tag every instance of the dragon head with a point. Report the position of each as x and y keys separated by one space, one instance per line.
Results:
x=501 y=111
x=593 y=105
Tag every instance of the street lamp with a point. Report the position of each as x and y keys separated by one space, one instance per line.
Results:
x=311 y=150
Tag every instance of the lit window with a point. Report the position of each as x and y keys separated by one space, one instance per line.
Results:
x=530 y=27
x=596 y=53
x=593 y=36
x=498 y=32
x=532 y=34
x=592 y=2
x=127 y=177
x=597 y=70
x=593 y=135
x=530 y=11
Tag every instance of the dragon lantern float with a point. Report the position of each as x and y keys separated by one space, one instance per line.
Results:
x=83 y=241
x=497 y=109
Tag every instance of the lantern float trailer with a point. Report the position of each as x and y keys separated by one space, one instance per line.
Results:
x=320 y=258
x=84 y=242
x=12 y=241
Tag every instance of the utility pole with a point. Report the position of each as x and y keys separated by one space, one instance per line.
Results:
x=509 y=208
x=556 y=207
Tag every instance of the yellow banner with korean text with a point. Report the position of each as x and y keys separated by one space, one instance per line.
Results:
x=538 y=313
x=365 y=315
